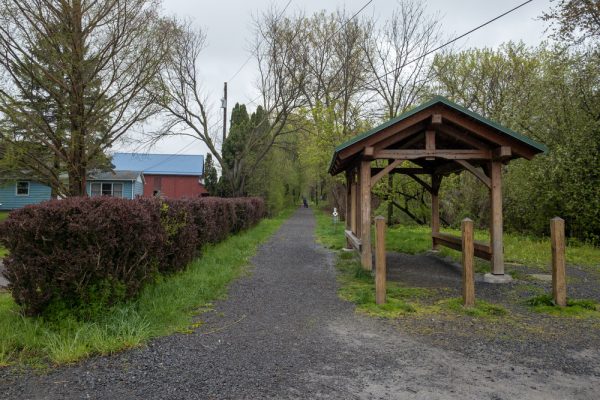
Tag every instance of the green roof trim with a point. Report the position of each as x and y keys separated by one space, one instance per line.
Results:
x=439 y=99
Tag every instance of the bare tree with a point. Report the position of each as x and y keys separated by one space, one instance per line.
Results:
x=281 y=77
x=399 y=68
x=91 y=62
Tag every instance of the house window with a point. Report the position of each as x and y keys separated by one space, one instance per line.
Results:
x=23 y=188
x=107 y=189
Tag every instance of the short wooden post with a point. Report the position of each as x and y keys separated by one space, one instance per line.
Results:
x=468 y=254
x=559 y=285
x=380 y=268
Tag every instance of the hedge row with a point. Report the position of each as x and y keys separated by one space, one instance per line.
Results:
x=82 y=252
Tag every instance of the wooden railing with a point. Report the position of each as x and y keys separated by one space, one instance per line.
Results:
x=482 y=249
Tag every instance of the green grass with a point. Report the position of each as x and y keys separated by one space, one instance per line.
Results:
x=358 y=287
x=518 y=249
x=164 y=307
x=544 y=303
x=482 y=309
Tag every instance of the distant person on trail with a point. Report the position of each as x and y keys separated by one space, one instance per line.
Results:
x=304 y=202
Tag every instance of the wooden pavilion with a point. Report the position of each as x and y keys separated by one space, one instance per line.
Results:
x=440 y=138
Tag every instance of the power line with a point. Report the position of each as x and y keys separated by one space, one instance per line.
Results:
x=250 y=56
x=451 y=41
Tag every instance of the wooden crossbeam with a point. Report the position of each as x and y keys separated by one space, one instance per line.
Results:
x=482 y=250
x=458 y=154
x=463 y=137
x=479 y=174
x=385 y=171
x=421 y=182
x=415 y=171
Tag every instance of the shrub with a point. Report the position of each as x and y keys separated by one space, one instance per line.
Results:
x=86 y=254
x=79 y=251
x=178 y=233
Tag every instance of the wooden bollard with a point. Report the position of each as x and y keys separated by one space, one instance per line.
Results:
x=559 y=285
x=380 y=260
x=468 y=255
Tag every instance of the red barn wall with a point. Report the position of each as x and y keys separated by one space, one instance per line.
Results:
x=174 y=186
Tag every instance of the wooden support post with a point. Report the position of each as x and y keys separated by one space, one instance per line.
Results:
x=430 y=143
x=347 y=215
x=380 y=268
x=365 y=219
x=468 y=256
x=353 y=208
x=559 y=286
x=436 y=180
x=496 y=218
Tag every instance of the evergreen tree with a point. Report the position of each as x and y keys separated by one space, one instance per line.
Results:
x=211 y=179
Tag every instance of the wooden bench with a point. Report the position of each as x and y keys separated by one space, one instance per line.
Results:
x=353 y=240
x=482 y=249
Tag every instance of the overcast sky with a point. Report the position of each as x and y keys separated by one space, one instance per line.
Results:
x=228 y=24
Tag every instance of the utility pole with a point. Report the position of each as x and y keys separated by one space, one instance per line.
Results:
x=224 y=107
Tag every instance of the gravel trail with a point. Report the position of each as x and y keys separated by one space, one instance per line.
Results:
x=283 y=333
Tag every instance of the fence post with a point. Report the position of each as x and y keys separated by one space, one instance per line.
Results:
x=559 y=285
x=380 y=260
x=468 y=254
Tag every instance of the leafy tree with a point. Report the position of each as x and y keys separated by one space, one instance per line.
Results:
x=90 y=63
x=211 y=179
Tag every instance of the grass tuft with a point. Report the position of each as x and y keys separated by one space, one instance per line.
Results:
x=482 y=308
x=544 y=303
x=164 y=307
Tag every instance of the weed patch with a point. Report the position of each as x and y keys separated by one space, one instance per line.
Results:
x=482 y=309
x=544 y=303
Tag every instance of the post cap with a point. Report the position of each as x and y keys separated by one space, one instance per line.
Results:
x=379 y=217
x=467 y=220
x=557 y=219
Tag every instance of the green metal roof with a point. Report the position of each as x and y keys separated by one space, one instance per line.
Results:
x=439 y=99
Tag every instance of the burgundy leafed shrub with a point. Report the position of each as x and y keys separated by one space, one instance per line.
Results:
x=98 y=251
x=79 y=249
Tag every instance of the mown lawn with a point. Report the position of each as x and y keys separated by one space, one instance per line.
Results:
x=165 y=307
x=518 y=249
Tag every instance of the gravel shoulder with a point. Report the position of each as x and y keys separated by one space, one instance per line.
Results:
x=283 y=333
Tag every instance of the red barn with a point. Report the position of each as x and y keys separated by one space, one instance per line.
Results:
x=168 y=175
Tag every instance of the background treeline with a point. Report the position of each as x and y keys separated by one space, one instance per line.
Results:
x=79 y=76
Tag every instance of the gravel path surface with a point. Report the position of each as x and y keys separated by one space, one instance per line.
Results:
x=283 y=333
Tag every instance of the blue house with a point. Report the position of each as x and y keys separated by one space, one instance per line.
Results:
x=125 y=184
x=20 y=193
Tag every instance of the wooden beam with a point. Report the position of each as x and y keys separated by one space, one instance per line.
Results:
x=385 y=171
x=421 y=182
x=436 y=119
x=479 y=174
x=353 y=240
x=502 y=153
x=368 y=153
x=447 y=168
x=488 y=134
x=557 y=239
x=468 y=252
x=353 y=204
x=482 y=250
x=415 y=171
x=405 y=134
x=463 y=137
x=436 y=181
x=458 y=154
x=496 y=218
x=430 y=144
x=380 y=270
x=365 y=220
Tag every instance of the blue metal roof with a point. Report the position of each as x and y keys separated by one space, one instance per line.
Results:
x=161 y=164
